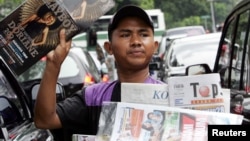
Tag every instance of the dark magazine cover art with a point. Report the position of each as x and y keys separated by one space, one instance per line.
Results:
x=86 y=12
x=32 y=30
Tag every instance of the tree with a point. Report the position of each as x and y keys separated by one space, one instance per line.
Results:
x=7 y=6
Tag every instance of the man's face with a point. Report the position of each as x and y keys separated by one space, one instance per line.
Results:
x=133 y=43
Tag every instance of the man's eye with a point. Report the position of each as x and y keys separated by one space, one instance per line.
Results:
x=124 y=35
x=144 y=35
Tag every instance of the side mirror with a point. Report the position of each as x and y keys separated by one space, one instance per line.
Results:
x=198 y=69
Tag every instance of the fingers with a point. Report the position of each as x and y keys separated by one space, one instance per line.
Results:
x=62 y=37
x=61 y=50
x=63 y=42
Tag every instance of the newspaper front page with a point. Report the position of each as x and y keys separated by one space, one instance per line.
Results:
x=145 y=93
x=200 y=92
x=145 y=122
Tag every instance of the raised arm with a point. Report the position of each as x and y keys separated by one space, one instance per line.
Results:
x=45 y=107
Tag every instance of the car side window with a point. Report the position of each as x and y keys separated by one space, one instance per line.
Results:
x=241 y=44
x=238 y=49
x=225 y=55
x=246 y=75
x=11 y=111
x=232 y=64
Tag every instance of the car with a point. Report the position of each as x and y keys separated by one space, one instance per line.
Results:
x=178 y=32
x=187 y=51
x=101 y=65
x=77 y=70
x=233 y=59
x=16 y=110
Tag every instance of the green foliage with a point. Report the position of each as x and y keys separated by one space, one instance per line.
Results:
x=7 y=6
x=176 y=12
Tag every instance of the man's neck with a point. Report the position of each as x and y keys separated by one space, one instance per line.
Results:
x=133 y=77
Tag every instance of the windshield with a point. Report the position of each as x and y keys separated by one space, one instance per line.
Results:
x=193 y=53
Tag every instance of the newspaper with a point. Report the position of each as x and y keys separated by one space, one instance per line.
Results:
x=145 y=93
x=201 y=92
x=145 y=122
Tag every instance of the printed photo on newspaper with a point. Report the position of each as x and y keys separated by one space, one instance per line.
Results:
x=145 y=122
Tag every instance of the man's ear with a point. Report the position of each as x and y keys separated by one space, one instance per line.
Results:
x=108 y=48
x=156 y=46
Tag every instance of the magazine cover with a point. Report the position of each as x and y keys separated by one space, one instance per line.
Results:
x=32 y=29
x=85 y=12
x=106 y=121
x=81 y=137
x=201 y=92
x=145 y=122
x=145 y=93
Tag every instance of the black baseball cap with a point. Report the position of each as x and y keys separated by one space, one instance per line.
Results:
x=128 y=11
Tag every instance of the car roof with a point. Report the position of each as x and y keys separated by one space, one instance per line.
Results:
x=198 y=38
x=185 y=30
x=206 y=53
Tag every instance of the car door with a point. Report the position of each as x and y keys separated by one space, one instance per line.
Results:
x=233 y=58
x=15 y=115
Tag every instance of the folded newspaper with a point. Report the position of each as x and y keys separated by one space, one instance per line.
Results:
x=145 y=122
x=199 y=92
x=145 y=93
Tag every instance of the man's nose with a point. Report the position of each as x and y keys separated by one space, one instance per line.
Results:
x=135 y=40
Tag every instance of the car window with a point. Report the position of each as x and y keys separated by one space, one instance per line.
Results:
x=235 y=48
x=11 y=111
x=238 y=61
x=187 y=53
x=90 y=64
x=225 y=55
x=69 y=68
x=34 y=72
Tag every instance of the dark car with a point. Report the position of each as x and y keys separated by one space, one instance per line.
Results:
x=233 y=59
x=77 y=70
x=16 y=111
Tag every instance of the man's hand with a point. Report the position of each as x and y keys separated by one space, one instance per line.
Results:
x=58 y=55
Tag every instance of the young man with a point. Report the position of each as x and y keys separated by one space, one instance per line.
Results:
x=131 y=41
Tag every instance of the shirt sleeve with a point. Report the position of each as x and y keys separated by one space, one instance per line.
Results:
x=76 y=116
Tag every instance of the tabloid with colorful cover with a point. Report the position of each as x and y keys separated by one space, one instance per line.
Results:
x=31 y=30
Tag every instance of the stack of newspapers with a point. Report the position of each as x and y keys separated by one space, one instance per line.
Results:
x=182 y=109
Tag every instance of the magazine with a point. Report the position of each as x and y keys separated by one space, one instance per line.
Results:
x=82 y=137
x=106 y=121
x=145 y=122
x=32 y=29
x=145 y=93
x=201 y=92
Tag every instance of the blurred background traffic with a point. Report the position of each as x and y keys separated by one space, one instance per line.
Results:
x=88 y=63
x=189 y=33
